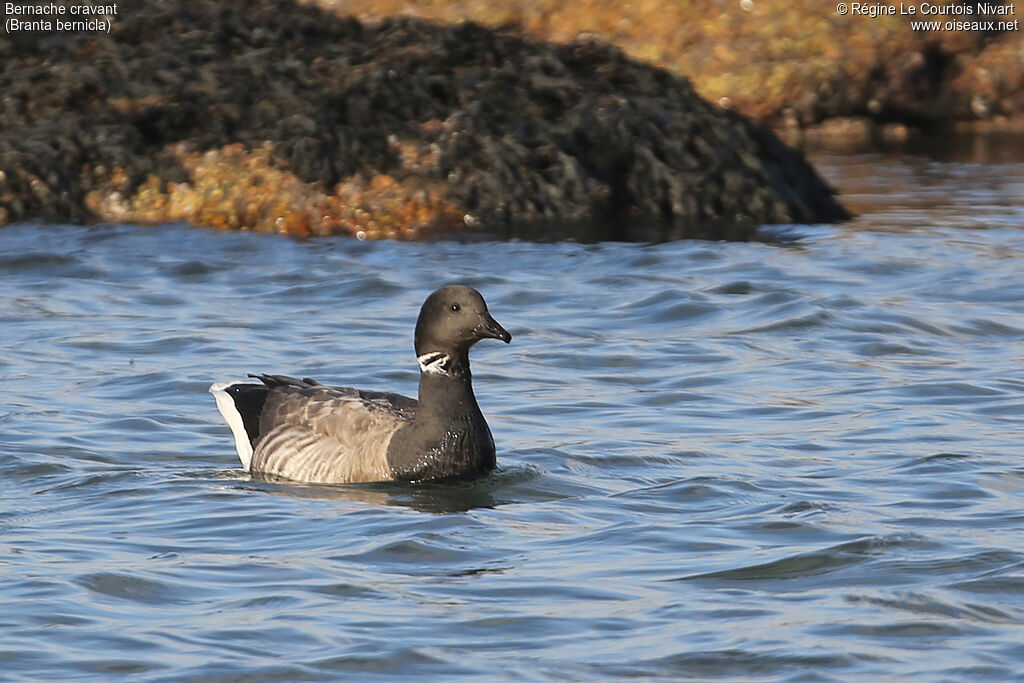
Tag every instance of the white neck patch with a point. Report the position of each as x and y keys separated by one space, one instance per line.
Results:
x=435 y=362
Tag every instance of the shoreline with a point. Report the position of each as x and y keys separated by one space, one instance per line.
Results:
x=805 y=63
x=198 y=111
x=403 y=127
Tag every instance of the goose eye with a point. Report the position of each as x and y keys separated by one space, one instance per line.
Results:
x=455 y=307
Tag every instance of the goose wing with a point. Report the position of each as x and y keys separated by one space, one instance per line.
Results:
x=316 y=433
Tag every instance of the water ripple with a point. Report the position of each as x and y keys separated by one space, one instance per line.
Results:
x=731 y=461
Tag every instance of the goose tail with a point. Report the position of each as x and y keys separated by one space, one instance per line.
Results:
x=233 y=416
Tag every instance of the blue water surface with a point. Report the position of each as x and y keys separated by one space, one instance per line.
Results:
x=742 y=461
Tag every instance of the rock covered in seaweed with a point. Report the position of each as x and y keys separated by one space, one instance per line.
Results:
x=265 y=114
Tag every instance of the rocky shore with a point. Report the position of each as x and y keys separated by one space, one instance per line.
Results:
x=828 y=68
x=270 y=115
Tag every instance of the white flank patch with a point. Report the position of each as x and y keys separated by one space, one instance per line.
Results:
x=226 y=406
x=435 y=362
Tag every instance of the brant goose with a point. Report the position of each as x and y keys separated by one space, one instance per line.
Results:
x=306 y=431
